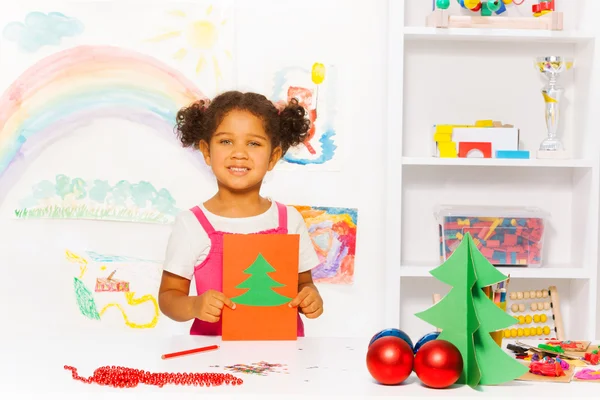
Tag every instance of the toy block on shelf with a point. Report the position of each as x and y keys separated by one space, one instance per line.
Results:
x=552 y=20
x=442 y=137
x=469 y=149
x=447 y=149
x=485 y=123
x=513 y=154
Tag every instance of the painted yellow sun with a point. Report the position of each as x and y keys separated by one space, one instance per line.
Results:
x=199 y=39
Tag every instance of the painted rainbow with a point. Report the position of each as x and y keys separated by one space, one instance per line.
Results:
x=71 y=88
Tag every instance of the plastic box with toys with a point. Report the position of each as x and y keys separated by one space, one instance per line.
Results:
x=506 y=236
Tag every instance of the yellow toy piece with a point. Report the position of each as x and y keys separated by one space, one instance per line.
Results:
x=471 y=4
x=447 y=129
x=442 y=137
x=484 y=123
x=447 y=149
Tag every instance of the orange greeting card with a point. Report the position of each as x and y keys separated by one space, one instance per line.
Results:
x=260 y=275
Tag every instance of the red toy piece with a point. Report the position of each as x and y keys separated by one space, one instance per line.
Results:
x=543 y=6
x=484 y=147
x=390 y=360
x=123 y=377
x=438 y=364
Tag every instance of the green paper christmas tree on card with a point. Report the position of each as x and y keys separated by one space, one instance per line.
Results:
x=259 y=285
x=467 y=316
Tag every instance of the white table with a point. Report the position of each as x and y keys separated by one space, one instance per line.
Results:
x=325 y=367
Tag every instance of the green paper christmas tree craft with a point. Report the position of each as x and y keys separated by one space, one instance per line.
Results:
x=260 y=286
x=467 y=316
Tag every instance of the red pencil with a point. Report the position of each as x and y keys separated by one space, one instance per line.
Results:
x=192 y=351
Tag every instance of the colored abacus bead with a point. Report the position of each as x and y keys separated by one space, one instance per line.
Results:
x=493 y=5
x=473 y=5
x=442 y=4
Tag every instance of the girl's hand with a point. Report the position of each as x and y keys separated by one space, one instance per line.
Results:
x=208 y=306
x=310 y=302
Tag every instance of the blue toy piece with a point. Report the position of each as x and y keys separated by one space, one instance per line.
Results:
x=392 y=332
x=426 y=338
x=501 y=9
x=513 y=154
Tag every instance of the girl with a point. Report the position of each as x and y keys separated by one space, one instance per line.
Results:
x=241 y=136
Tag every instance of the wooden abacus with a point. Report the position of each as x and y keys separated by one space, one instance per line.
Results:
x=538 y=312
x=546 y=321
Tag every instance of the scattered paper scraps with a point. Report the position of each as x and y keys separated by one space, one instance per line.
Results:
x=262 y=368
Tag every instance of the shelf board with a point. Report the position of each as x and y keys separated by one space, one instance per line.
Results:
x=498 y=162
x=494 y=35
x=515 y=272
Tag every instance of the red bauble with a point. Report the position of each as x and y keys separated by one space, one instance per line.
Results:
x=390 y=360
x=438 y=364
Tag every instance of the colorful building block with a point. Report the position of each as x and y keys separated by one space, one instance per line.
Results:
x=443 y=137
x=484 y=123
x=514 y=154
x=464 y=148
x=447 y=149
x=444 y=129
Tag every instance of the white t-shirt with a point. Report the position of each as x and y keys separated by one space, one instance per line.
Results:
x=189 y=243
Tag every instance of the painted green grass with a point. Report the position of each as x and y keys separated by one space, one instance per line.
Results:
x=85 y=212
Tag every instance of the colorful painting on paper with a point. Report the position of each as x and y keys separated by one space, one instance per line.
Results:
x=114 y=300
x=76 y=198
x=260 y=275
x=313 y=85
x=168 y=56
x=333 y=232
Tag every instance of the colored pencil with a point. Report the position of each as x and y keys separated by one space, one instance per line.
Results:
x=502 y=295
x=191 y=351
x=488 y=292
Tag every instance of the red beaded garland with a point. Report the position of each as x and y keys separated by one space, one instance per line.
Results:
x=123 y=377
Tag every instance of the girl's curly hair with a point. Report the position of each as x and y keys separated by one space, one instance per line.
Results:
x=199 y=121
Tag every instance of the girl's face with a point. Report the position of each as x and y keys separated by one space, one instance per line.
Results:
x=240 y=151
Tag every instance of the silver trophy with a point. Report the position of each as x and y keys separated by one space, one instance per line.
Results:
x=551 y=67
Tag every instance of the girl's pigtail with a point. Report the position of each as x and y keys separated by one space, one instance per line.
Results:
x=293 y=125
x=191 y=123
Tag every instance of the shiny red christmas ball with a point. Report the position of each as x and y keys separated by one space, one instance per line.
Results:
x=390 y=360
x=438 y=364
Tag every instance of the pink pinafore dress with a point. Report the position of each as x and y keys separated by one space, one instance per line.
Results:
x=209 y=273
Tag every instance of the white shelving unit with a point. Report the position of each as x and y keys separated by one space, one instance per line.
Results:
x=457 y=76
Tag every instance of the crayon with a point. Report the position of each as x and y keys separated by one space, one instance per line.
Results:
x=191 y=351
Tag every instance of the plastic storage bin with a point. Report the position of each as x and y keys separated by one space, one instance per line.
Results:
x=506 y=236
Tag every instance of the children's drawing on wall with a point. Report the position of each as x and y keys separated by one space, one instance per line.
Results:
x=314 y=87
x=67 y=91
x=38 y=29
x=106 y=291
x=198 y=38
x=75 y=198
x=62 y=72
x=333 y=232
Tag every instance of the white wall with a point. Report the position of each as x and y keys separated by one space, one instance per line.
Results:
x=37 y=285
x=352 y=36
